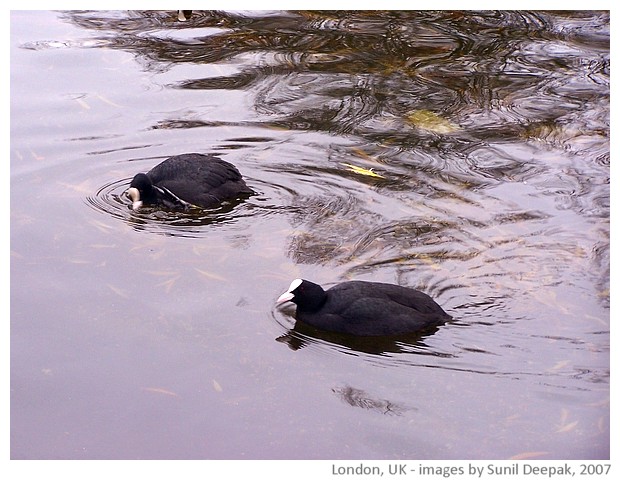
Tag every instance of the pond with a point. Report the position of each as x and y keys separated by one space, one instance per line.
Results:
x=464 y=154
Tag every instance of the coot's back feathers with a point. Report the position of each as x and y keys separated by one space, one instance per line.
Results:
x=190 y=179
x=364 y=308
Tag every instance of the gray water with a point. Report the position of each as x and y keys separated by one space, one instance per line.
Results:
x=465 y=154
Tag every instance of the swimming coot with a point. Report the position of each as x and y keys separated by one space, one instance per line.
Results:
x=364 y=308
x=190 y=179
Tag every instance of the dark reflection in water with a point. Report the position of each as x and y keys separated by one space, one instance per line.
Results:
x=371 y=69
x=360 y=399
x=302 y=335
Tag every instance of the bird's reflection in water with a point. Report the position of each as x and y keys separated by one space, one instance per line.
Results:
x=302 y=335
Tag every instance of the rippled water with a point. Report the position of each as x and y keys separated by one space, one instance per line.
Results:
x=465 y=154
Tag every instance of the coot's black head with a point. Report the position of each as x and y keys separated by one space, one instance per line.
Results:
x=308 y=296
x=140 y=190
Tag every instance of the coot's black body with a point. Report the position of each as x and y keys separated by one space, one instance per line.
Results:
x=364 y=308
x=190 y=179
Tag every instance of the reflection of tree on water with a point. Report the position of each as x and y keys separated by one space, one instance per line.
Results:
x=340 y=229
x=369 y=69
x=449 y=106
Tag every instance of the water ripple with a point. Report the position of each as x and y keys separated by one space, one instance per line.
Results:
x=112 y=200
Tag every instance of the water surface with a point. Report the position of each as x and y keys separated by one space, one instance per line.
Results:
x=463 y=154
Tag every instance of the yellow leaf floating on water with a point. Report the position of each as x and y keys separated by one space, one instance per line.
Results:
x=168 y=284
x=101 y=226
x=568 y=427
x=564 y=426
x=105 y=100
x=119 y=291
x=161 y=391
x=362 y=171
x=559 y=365
x=216 y=386
x=84 y=187
x=213 y=276
x=82 y=103
x=36 y=156
x=526 y=455
x=430 y=121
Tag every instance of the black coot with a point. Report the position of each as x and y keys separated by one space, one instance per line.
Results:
x=364 y=308
x=188 y=180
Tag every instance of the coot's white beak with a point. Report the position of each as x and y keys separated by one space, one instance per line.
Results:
x=134 y=194
x=285 y=297
x=289 y=295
